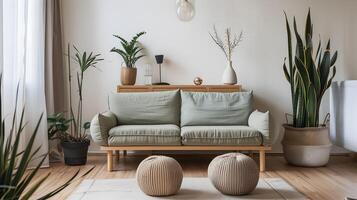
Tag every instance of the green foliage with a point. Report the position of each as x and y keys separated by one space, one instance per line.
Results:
x=84 y=61
x=309 y=75
x=15 y=179
x=58 y=126
x=130 y=50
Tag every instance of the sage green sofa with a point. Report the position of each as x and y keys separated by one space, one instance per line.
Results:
x=181 y=120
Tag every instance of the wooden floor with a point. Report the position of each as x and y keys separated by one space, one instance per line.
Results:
x=335 y=182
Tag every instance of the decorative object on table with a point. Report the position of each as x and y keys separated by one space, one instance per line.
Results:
x=148 y=74
x=75 y=142
x=227 y=46
x=16 y=178
x=185 y=10
x=130 y=54
x=306 y=142
x=159 y=176
x=159 y=60
x=198 y=81
x=343 y=128
x=233 y=174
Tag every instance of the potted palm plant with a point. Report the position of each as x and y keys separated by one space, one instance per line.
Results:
x=130 y=54
x=310 y=73
x=75 y=142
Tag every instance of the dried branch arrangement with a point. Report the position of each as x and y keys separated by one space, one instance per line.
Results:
x=229 y=43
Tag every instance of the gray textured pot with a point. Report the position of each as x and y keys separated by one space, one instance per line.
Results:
x=307 y=147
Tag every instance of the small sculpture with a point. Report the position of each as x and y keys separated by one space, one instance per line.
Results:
x=198 y=81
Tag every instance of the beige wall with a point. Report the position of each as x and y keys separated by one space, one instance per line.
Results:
x=189 y=51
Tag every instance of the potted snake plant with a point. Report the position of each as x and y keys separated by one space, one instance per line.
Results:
x=130 y=54
x=310 y=73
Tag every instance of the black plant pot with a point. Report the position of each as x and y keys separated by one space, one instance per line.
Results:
x=75 y=153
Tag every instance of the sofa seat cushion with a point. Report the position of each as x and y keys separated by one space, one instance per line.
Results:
x=126 y=135
x=220 y=135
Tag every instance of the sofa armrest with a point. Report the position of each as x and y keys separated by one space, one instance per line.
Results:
x=100 y=126
x=260 y=121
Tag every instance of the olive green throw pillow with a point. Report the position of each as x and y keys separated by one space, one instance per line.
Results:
x=212 y=108
x=146 y=107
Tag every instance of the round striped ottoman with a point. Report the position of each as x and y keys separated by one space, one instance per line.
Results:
x=159 y=176
x=233 y=174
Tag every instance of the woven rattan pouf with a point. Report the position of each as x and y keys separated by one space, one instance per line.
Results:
x=233 y=174
x=159 y=176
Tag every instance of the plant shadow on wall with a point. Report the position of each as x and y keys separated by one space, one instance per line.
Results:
x=130 y=53
x=75 y=141
x=16 y=181
x=310 y=73
x=227 y=46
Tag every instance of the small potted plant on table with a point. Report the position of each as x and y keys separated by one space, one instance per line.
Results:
x=130 y=54
x=306 y=142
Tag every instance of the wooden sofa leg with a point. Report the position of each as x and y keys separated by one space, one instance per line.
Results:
x=124 y=153
x=110 y=161
x=262 y=160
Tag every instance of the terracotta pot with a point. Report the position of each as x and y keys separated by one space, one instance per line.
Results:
x=307 y=147
x=128 y=76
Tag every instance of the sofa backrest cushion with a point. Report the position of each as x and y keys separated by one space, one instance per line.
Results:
x=146 y=107
x=206 y=108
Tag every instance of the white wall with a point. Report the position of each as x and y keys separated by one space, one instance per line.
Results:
x=190 y=52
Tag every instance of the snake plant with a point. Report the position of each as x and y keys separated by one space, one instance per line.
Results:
x=310 y=74
x=130 y=50
x=16 y=180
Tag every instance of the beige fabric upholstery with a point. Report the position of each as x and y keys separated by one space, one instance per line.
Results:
x=159 y=176
x=233 y=174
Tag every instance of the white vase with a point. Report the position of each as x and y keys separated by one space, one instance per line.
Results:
x=229 y=75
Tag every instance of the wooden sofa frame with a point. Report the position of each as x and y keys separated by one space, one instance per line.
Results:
x=194 y=88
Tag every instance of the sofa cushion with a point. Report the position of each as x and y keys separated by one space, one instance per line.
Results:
x=167 y=134
x=206 y=108
x=220 y=135
x=146 y=107
x=100 y=126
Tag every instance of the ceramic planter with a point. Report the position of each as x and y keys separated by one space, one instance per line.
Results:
x=306 y=147
x=128 y=75
x=75 y=153
x=229 y=75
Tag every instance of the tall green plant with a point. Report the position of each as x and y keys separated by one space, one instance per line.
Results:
x=130 y=50
x=84 y=61
x=16 y=181
x=309 y=73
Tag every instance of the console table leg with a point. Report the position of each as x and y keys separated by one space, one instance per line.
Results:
x=110 y=161
x=251 y=154
x=262 y=160
x=117 y=155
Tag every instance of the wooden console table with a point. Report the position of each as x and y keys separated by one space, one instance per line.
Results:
x=193 y=88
